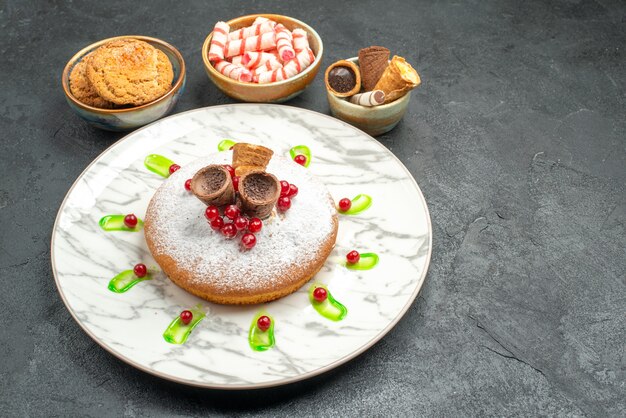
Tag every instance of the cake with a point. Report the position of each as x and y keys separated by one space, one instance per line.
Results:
x=290 y=249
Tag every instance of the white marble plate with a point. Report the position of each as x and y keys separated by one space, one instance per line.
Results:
x=217 y=354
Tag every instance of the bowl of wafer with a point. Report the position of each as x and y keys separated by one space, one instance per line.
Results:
x=371 y=91
x=262 y=58
x=124 y=82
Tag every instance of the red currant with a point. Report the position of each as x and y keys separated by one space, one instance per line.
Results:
x=230 y=170
x=174 y=168
x=320 y=294
x=217 y=223
x=353 y=257
x=212 y=212
x=236 y=183
x=241 y=222
x=345 y=204
x=248 y=240
x=255 y=225
x=140 y=270
x=232 y=211
x=264 y=323
x=186 y=317
x=284 y=203
x=293 y=190
x=300 y=159
x=188 y=184
x=229 y=230
x=284 y=188
x=130 y=220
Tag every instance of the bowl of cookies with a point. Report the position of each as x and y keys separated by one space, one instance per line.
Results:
x=263 y=58
x=371 y=91
x=124 y=82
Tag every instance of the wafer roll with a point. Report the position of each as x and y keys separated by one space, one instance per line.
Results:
x=269 y=65
x=213 y=186
x=398 y=79
x=278 y=74
x=370 y=98
x=253 y=59
x=250 y=155
x=218 y=41
x=372 y=61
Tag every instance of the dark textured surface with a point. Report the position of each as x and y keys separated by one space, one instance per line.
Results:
x=517 y=138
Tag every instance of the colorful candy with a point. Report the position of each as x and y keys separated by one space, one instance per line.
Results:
x=218 y=42
x=264 y=52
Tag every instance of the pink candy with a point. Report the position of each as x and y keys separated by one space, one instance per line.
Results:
x=264 y=52
x=218 y=42
x=284 y=43
x=234 y=71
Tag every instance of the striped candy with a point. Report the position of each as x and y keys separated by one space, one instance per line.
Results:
x=234 y=71
x=218 y=41
x=300 y=40
x=253 y=43
x=284 y=43
x=254 y=30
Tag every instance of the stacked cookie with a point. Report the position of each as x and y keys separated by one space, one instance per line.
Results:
x=121 y=73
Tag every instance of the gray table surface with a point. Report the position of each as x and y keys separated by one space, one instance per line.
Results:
x=516 y=137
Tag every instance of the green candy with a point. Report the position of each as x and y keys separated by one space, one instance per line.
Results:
x=367 y=261
x=329 y=307
x=177 y=332
x=359 y=204
x=158 y=164
x=225 y=145
x=301 y=150
x=261 y=340
x=116 y=223
x=125 y=280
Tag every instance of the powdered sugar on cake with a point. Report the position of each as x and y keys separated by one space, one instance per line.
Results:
x=180 y=230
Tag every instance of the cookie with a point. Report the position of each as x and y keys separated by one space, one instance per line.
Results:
x=129 y=72
x=81 y=88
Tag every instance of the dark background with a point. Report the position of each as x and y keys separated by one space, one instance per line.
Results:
x=516 y=137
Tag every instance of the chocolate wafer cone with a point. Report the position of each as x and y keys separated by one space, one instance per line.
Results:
x=259 y=191
x=213 y=186
x=373 y=61
x=398 y=79
x=251 y=155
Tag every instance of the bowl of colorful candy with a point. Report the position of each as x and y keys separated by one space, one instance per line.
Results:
x=262 y=58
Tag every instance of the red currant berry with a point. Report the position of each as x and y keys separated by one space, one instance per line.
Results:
x=174 y=168
x=140 y=270
x=229 y=230
x=284 y=203
x=130 y=220
x=353 y=257
x=264 y=323
x=320 y=294
x=293 y=190
x=212 y=212
x=236 y=183
x=284 y=188
x=345 y=204
x=255 y=225
x=232 y=211
x=188 y=184
x=248 y=240
x=217 y=223
x=300 y=159
x=230 y=170
x=186 y=317
x=241 y=222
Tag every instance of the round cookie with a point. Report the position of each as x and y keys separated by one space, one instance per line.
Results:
x=291 y=248
x=81 y=88
x=129 y=72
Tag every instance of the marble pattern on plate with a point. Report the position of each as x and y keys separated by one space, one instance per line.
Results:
x=217 y=353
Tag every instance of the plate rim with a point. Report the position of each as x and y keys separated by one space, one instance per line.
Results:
x=246 y=386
